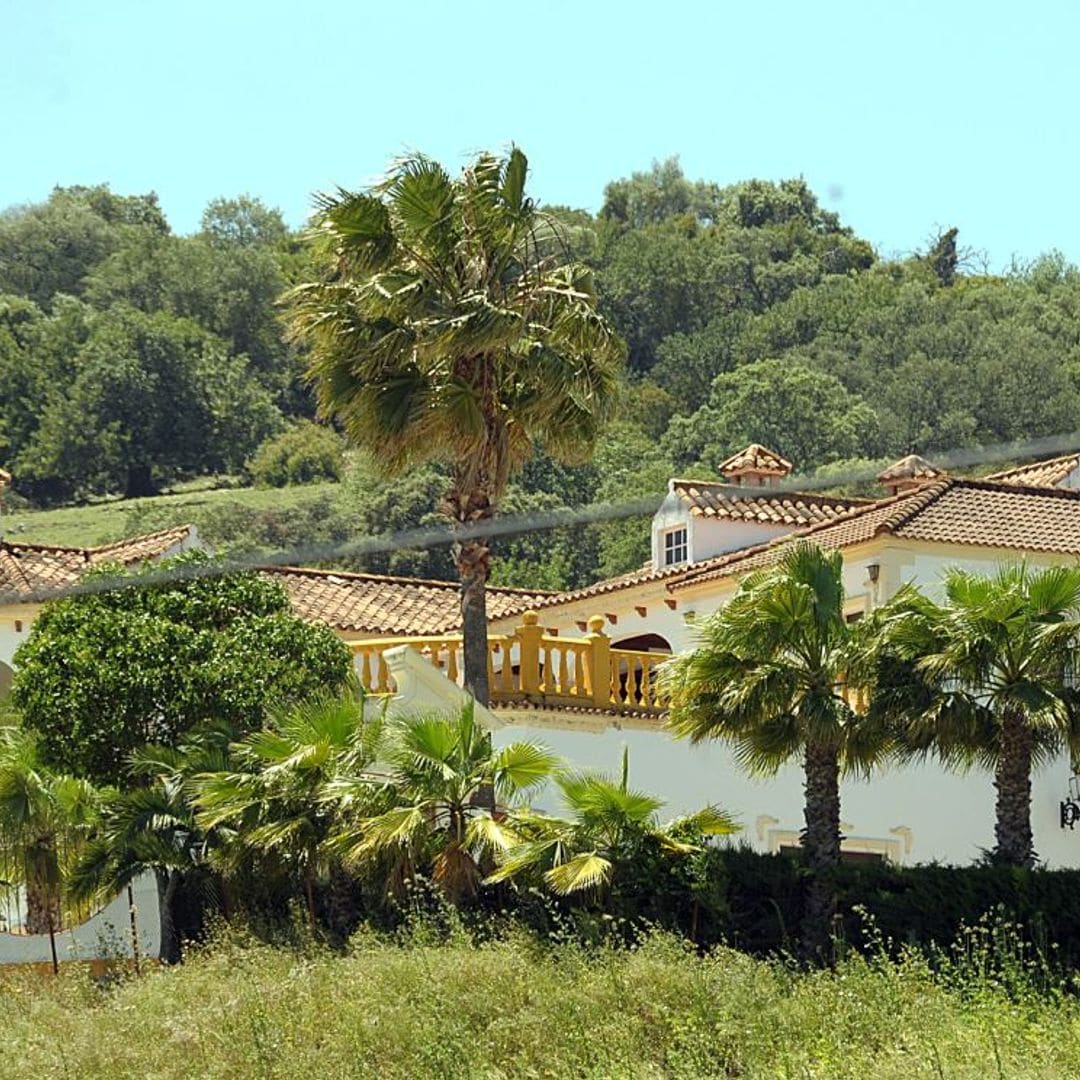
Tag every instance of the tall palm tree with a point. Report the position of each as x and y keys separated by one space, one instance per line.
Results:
x=606 y=824
x=768 y=675
x=438 y=821
x=449 y=326
x=268 y=808
x=45 y=819
x=987 y=677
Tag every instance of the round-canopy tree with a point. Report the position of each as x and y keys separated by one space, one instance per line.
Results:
x=449 y=325
x=104 y=673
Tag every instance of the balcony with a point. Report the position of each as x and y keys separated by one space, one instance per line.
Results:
x=534 y=669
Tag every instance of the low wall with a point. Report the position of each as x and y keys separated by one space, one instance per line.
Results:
x=105 y=936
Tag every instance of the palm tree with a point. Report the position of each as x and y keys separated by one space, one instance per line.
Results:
x=448 y=326
x=45 y=818
x=439 y=771
x=606 y=824
x=768 y=676
x=268 y=808
x=151 y=827
x=987 y=678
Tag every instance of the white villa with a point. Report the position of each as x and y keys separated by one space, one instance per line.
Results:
x=575 y=669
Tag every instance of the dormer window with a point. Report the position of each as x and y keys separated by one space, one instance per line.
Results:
x=676 y=550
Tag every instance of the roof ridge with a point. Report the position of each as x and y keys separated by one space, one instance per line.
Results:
x=140 y=538
x=912 y=501
x=87 y=550
x=1037 y=463
x=744 y=492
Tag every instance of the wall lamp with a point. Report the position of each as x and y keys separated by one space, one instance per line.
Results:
x=873 y=571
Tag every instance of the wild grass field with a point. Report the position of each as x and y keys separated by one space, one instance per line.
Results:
x=511 y=1008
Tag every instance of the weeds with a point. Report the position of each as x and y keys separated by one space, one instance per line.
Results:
x=435 y=999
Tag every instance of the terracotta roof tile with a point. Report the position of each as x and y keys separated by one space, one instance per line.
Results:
x=379 y=604
x=710 y=499
x=978 y=513
x=1048 y=473
x=26 y=569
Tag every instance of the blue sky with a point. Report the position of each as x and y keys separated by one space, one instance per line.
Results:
x=905 y=117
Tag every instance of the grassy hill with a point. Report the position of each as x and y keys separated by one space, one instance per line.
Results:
x=513 y=1009
x=198 y=504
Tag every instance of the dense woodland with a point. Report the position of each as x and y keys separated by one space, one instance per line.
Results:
x=133 y=358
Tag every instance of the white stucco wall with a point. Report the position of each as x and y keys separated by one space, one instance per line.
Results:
x=916 y=814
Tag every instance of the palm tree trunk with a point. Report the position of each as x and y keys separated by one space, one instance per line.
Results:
x=168 y=882
x=821 y=843
x=474 y=560
x=42 y=899
x=1012 y=779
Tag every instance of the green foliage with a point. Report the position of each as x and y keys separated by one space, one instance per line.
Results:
x=444 y=802
x=802 y=413
x=305 y=454
x=105 y=673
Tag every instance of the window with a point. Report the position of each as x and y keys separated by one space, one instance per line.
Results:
x=675 y=547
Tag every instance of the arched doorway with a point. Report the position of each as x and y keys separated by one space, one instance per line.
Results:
x=644 y=643
x=632 y=677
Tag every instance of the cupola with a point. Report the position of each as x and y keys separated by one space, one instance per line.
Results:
x=909 y=472
x=756 y=466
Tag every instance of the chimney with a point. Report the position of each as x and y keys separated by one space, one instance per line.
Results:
x=756 y=466
x=908 y=473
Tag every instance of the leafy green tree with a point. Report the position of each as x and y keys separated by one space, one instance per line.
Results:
x=105 y=673
x=606 y=827
x=44 y=820
x=804 y=414
x=987 y=678
x=306 y=453
x=767 y=677
x=49 y=248
x=442 y=331
x=440 y=774
x=153 y=396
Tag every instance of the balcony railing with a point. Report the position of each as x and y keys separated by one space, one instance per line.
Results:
x=531 y=667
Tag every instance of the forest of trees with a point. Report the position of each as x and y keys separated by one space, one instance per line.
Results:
x=132 y=357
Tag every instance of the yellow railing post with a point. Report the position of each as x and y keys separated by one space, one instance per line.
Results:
x=598 y=662
x=528 y=636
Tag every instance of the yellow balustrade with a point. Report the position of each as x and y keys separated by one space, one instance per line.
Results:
x=531 y=666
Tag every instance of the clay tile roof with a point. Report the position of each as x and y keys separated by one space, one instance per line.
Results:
x=755 y=458
x=963 y=512
x=1039 y=473
x=911 y=467
x=29 y=569
x=765 y=505
x=384 y=605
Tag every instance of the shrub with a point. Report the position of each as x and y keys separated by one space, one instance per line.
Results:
x=305 y=454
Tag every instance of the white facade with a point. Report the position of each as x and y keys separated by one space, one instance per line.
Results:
x=910 y=814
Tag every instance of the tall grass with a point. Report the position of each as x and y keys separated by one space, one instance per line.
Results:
x=511 y=1008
